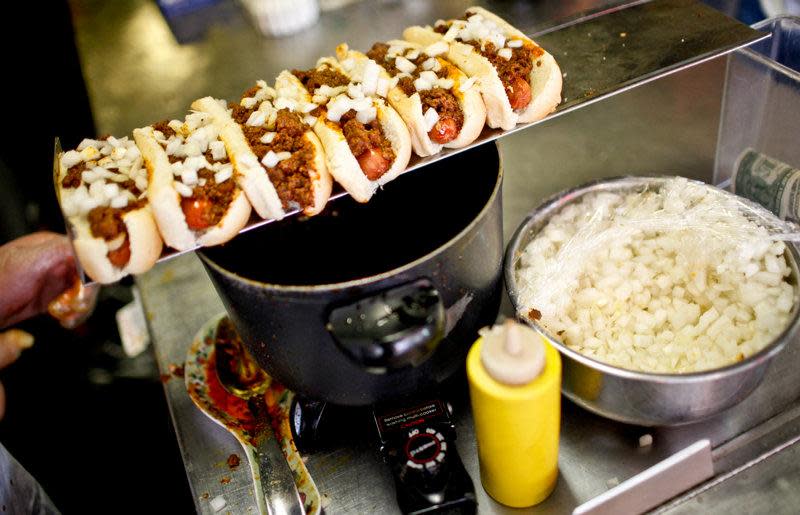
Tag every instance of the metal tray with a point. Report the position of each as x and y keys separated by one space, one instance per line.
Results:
x=600 y=55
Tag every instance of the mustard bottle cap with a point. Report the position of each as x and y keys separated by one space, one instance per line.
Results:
x=512 y=353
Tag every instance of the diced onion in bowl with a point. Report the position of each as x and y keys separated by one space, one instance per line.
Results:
x=673 y=279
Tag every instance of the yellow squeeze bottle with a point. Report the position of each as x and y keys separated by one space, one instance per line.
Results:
x=514 y=384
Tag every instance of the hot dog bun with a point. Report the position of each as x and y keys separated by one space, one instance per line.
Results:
x=343 y=165
x=411 y=107
x=304 y=167
x=166 y=201
x=545 y=78
x=109 y=163
x=251 y=177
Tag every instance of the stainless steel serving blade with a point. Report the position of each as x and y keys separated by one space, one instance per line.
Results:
x=57 y=151
x=609 y=52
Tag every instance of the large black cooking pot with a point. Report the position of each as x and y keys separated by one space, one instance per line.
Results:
x=365 y=302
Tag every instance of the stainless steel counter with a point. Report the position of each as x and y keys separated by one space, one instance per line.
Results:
x=136 y=72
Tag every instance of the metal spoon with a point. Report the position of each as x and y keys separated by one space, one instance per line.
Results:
x=241 y=376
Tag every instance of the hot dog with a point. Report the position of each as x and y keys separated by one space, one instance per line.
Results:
x=290 y=169
x=440 y=105
x=366 y=142
x=193 y=186
x=519 y=81
x=102 y=188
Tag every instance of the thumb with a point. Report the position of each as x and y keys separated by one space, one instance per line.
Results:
x=12 y=343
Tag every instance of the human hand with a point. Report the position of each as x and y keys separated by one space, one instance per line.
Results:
x=35 y=269
x=12 y=343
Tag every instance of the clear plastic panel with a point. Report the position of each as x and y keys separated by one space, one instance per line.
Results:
x=761 y=107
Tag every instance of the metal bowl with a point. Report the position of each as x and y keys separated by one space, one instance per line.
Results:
x=643 y=398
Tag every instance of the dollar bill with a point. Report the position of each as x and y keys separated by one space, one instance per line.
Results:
x=771 y=183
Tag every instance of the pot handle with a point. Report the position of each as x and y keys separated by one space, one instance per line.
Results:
x=395 y=328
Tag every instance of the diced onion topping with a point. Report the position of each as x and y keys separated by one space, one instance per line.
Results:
x=218 y=150
x=256 y=119
x=383 y=87
x=175 y=125
x=285 y=103
x=438 y=48
x=109 y=163
x=428 y=76
x=182 y=189
x=514 y=43
x=189 y=176
x=505 y=53
x=429 y=63
x=369 y=81
x=404 y=65
x=328 y=91
x=248 y=102
x=422 y=84
x=366 y=115
x=218 y=503
x=119 y=202
x=86 y=143
x=268 y=137
x=225 y=173
x=270 y=159
x=431 y=117
x=477 y=28
x=412 y=54
x=355 y=91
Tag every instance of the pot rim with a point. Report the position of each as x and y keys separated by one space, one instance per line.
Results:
x=363 y=281
x=550 y=206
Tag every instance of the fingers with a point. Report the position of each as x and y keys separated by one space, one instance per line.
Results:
x=36 y=268
x=12 y=343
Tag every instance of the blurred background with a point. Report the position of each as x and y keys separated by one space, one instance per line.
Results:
x=90 y=423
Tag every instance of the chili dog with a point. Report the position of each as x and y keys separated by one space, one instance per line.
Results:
x=290 y=169
x=440 y=105
x=366 y=142
x=102 y=188
x=193 y=186
x=519 y=81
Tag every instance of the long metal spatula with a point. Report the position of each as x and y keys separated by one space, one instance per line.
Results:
x=606 y=53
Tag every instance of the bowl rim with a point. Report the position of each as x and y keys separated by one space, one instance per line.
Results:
x=365 y=281
x=552 y=204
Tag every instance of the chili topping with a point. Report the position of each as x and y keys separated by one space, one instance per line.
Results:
x=202 y=169
x=104 y=180
x=367 y=142
x=314 y=78
x=441 y=100
x=513 y=62
x=292 y=175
